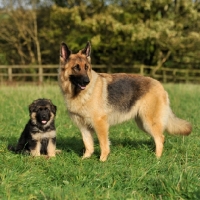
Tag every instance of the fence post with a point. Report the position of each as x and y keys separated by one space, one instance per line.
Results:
x=142 y=70
x=109 y=69
x=164 y=76
x=40 y=74
x=174 y=76
x=9 y=73
x=186 y=76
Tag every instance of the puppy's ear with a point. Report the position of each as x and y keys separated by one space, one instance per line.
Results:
x=53 y=109
x=32 y=108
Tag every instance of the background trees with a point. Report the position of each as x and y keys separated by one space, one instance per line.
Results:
x=162 y=33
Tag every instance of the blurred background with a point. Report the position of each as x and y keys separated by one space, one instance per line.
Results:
x=162 y=34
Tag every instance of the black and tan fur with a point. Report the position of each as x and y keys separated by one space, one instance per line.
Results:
x=39 y=134
x=95 y=101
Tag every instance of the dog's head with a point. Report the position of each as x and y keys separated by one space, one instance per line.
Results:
x=42 y=112
x=75 y=68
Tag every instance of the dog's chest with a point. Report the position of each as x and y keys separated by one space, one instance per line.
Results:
x=43 y=135
x=81 y=110
x=77 y=104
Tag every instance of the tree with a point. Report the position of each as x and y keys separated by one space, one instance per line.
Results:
x=19 y=32
x=160 y=33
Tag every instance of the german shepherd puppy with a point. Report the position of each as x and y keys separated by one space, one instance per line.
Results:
x=95 y=101
x=39 y=134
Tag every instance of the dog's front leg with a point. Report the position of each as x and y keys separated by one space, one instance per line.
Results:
x=35 y=147
x=87 y=135
x=102 y=130
x=51 y=148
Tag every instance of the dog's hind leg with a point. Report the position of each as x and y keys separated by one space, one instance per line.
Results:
x=153 y=115
x=159 y=141
x=87 y=135
x=155 y=129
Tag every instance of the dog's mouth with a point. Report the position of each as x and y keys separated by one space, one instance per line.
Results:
x=82 y=87
x=80 y=81
x=44 y=122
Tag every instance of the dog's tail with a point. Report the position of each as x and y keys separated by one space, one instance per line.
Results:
x=11 y=148
x=178 y=126
x=16 y=149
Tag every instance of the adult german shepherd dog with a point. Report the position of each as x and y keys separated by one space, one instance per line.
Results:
x=95 y=101
x=39 y=134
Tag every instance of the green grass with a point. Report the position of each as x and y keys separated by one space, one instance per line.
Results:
x=131 y=171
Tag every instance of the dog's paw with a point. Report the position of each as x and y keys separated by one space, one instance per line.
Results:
x=103 y=158
x=58 y=151
x=86 y=155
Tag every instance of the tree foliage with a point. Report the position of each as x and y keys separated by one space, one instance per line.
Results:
x=163 y=33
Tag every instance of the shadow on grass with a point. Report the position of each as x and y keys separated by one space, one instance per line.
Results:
x=75 y=144
x=134 y=143
x=70 y=144
x=9 y=140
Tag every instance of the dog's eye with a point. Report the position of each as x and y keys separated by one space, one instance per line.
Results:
x=77 y=67
x=41 y=109
x=86 y=67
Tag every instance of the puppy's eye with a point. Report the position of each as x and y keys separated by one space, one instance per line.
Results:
x=41 y=109
x=76 y=68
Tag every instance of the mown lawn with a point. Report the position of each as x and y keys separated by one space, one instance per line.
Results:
x=131 y=171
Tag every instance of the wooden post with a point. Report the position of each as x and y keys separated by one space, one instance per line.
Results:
x=174 y=76
x=186 y=76
x=109 y=69
x=164 y=76
x=9 y=73
x=142 y=70
x=40 y=74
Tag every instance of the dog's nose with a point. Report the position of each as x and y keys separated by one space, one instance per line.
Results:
x=43 y=116
x=86 y=80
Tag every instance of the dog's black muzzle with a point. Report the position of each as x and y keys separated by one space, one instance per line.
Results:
x=43 y=116
x=80 y=81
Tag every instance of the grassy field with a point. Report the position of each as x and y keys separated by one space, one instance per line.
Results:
x=131 y=171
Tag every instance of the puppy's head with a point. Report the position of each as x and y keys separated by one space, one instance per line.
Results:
x=42 y=112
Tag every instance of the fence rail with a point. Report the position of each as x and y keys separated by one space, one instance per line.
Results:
x=41 y=73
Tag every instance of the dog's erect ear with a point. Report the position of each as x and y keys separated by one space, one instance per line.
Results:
x=64 y=52
x=87 y=51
